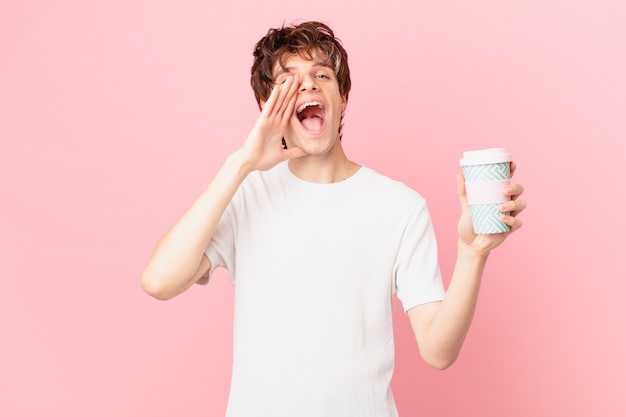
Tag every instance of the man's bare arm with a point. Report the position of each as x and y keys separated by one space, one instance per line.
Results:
x=441 y=327
x=178 y=261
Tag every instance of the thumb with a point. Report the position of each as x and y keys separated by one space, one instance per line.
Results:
x=460 y=190
x=294 y=153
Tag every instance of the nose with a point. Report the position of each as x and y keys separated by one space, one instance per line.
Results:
x=308 y=83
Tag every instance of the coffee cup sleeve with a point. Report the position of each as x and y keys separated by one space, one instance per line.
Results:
x=486 y=192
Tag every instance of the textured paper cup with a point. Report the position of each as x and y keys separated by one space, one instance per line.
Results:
x=487 y=172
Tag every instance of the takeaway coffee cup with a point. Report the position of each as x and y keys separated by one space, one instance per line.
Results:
x=487 y=172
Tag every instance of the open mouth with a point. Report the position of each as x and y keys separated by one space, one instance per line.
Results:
x=311 y=115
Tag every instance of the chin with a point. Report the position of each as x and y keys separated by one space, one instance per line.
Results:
x=314 y=143
x=316 y=146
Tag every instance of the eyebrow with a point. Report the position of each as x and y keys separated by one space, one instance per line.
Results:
x=284 y=70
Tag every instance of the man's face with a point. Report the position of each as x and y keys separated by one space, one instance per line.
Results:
x=314 y=126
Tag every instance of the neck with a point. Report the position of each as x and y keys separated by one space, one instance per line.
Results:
x=324 y=169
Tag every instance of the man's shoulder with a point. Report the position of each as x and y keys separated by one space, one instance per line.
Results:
x=391 y=187
x=265 y=178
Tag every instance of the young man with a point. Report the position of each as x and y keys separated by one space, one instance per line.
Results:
x=317 y=246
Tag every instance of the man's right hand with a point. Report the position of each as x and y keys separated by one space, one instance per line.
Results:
x=263 y=147
x=179 y=259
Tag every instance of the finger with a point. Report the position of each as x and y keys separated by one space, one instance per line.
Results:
x=294 y=153
x=281 y=98
x=268 y=106
x=290 y=100
x=513 y=206
x=288 y=95
x=276 y=98
x=513 y=222
x=513 y=167
x=513 y=190
x=460 y=190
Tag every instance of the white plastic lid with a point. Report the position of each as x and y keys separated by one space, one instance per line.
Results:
x=485 y=156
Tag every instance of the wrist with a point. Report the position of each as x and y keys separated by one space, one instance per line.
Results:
x=473 y=251
x=238 y=164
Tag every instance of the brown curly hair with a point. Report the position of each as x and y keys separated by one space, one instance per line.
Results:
x=308 y=40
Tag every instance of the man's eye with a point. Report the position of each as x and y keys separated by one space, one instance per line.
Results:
x=322 y=76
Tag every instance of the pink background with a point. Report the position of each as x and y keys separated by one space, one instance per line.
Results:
x=115 y=114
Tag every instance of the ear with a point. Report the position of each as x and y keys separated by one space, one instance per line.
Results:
x=344 y=103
